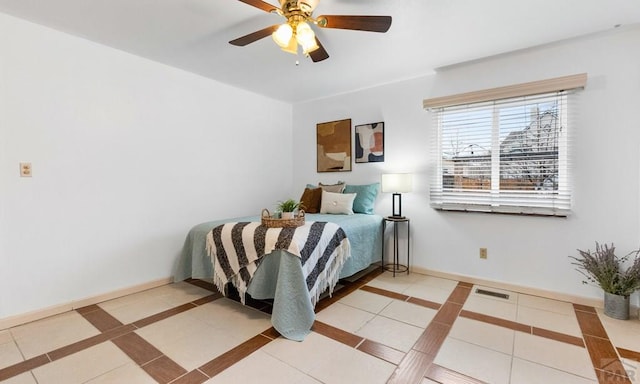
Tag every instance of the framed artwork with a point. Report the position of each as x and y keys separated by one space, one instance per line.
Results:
x=334 y=146
x=370 y=143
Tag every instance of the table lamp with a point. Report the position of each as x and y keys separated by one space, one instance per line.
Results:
x=396 y=183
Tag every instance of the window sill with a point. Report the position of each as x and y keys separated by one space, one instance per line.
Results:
x=508 y=210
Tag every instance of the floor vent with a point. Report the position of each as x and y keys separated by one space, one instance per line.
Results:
x=494 y=294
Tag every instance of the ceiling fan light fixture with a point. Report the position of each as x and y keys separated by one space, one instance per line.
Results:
x=308 y=48
x=306 y=38
x=292 y=47
x=296 y=30
x=283 y=35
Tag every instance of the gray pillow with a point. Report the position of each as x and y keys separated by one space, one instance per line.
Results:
x=335 y=188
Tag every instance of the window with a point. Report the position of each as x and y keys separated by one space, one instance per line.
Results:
x=504 y=154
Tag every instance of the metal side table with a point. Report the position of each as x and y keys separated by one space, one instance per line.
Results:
x=396 y=267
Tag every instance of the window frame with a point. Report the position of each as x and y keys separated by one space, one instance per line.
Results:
x=496 y=200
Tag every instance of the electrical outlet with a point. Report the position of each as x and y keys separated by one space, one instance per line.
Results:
x=25 y=170
x=483 y=253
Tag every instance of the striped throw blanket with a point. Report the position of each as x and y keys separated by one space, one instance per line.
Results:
x=236 y=250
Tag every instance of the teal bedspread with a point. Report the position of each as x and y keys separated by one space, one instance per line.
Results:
x=280 y=278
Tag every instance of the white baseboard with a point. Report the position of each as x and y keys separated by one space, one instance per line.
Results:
x=28 y=317
x=589 y=301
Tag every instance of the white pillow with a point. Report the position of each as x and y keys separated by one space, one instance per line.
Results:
x=338 y=203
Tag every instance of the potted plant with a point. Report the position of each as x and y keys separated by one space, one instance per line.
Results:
x=287 y=208
x=604 y=268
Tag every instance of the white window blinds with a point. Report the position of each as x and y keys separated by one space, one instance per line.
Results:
x=508 y=155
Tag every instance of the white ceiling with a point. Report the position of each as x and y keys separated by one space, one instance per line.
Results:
x=425 y=35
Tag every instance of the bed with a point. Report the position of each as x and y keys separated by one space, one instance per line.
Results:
x=292 y=315
x=364 y=232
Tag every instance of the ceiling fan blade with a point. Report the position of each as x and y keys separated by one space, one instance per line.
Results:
x=255 y=36
x=359 y=23
x=319 y=54
x=260 y=5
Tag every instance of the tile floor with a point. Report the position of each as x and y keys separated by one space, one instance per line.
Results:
x=379 y=329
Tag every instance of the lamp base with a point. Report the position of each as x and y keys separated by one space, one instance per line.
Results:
x=396 y=217
x=396 y=214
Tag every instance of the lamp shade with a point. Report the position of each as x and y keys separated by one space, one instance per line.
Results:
x=292 y=47
x=283 y=35
x=306 y=38
x=397 y=182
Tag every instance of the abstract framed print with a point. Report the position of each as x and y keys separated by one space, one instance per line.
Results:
x=334 y=146
x=370 y=143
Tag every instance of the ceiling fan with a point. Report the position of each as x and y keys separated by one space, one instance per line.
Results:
x=297 y=31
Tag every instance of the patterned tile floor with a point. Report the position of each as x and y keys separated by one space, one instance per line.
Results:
x=379 y=329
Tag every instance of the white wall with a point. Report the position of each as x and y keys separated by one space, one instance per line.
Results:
x=527 y=251
x=127 y=156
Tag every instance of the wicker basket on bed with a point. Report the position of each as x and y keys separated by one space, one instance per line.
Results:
x=272 y=222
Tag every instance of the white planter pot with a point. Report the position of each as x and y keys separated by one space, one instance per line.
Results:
x=287 y=215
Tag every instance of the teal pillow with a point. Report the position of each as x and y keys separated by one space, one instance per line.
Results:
x=365 y=197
